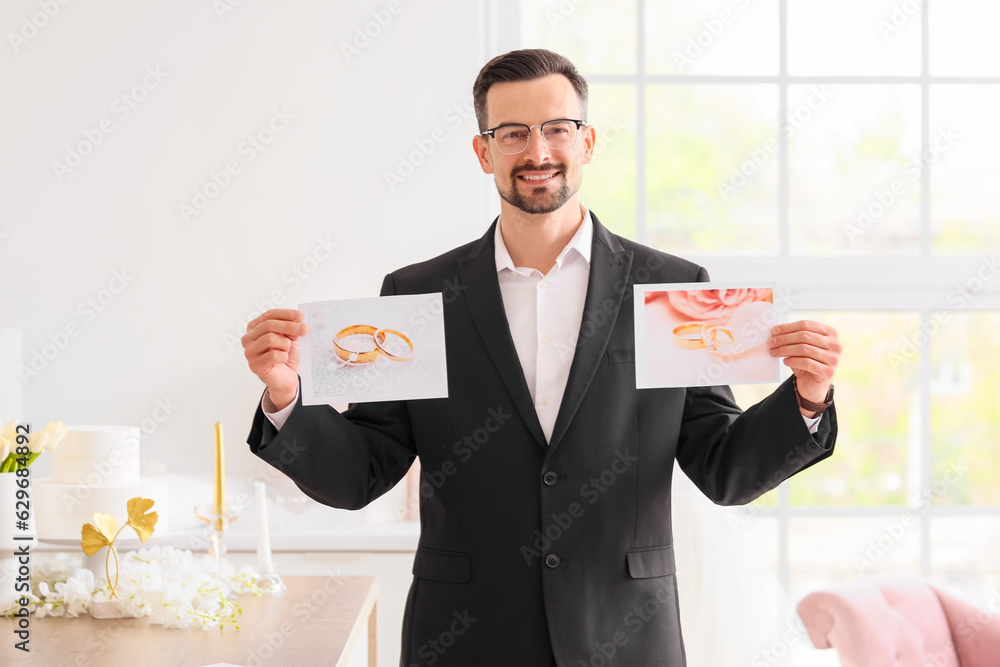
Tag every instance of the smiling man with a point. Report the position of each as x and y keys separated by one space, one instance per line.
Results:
x=546 y=475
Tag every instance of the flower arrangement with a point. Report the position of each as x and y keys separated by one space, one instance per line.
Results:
x=173 y=587
x=11 y=436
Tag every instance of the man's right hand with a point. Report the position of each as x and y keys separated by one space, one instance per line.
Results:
x=271 y=346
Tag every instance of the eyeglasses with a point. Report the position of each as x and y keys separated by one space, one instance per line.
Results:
x=558 y=135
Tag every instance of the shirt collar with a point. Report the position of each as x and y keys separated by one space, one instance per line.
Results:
x=581 y=243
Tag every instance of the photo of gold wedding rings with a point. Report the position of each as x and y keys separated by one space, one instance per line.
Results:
x=379 y=339
x=707 y=337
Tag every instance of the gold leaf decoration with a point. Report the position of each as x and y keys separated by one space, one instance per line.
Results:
x=140 y=521
x=95 y=538
x=104 y=531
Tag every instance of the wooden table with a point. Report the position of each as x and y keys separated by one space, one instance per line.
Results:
x=317 y=621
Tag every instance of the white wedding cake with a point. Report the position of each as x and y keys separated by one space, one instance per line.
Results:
x=95 y=469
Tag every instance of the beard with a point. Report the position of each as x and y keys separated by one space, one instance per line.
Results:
x=540 y=200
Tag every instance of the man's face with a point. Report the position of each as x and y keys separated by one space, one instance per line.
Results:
x=538 y=180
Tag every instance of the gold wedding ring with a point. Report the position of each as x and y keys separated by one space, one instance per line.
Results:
x=711 y=336
x=352 y=356
x=689 y=343
x=708 y=336
x=380 y=344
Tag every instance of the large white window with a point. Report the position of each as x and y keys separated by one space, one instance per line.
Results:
x=849 y=151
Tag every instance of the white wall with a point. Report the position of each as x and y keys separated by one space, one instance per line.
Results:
x=162 y=338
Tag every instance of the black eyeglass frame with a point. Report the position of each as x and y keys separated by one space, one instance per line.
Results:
x=492 y=132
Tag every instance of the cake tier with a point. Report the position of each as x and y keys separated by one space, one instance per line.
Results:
x=62 y=509
x=97 y=455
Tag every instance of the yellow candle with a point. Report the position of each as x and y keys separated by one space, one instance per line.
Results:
x=219 y=506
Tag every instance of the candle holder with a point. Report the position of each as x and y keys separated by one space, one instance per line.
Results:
x=218 y=523
x=268 y=581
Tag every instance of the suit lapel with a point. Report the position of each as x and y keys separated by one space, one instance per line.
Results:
x=482 y=291
x=610 y=265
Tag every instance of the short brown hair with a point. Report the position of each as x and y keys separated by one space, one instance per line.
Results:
x=525 y=65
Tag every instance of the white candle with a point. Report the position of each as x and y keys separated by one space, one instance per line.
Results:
x=263 y=535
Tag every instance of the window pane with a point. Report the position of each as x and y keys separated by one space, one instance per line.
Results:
x=853 y=186
x=598 y=37
x=700 y=137
x=853 y=37
x=965 y=556
x=735 y=37
x=823 y=551
x=761 y=535
x=608 y=187
x=876 y=461
x=963 y=40
x=965 y=142
x=965 y=422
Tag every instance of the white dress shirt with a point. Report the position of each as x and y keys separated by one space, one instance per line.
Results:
x=544 y=313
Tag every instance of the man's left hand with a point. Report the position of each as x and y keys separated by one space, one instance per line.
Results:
x=812 y=351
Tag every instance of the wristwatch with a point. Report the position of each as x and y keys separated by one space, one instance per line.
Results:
x=806 y=404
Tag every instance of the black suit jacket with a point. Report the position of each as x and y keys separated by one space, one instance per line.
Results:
x=531 y=552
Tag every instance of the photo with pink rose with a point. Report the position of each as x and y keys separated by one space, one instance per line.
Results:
x=701 y=334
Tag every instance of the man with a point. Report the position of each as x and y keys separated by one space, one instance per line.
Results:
x=545 y=495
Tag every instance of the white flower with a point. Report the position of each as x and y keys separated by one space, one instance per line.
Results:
x=144 y=574
x=7 y=438
x=37 y=440
x=76 y=592
x=53 y=601
x=46 y=609
x=244 y=581
x=59 y=567
x=174 y=616
x=134 y=605
x=33 y=602
x=59 y=431
x=47 y=438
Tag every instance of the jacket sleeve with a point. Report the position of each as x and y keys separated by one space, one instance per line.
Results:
x=736 y=457
x=341 y=460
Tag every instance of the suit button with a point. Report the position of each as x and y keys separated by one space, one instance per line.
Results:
x=550 y=478
x=552 y=560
